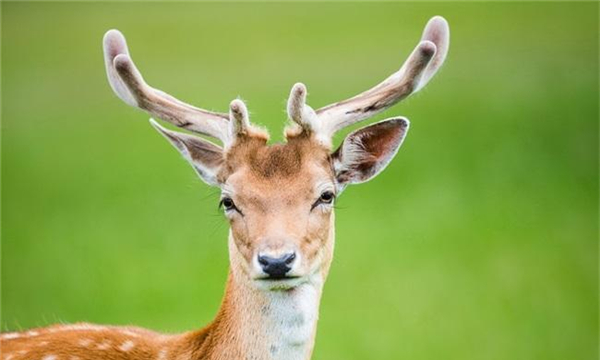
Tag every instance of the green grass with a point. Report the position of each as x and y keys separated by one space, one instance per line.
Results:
x=478 y=242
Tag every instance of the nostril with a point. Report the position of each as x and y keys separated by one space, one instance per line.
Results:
x=263 y=260
x=290 y=258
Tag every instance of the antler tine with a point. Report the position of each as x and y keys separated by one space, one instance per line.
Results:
x=418 y=69
x=438 y=32
x=298 y=111
x=129 y=85
x=239 y=121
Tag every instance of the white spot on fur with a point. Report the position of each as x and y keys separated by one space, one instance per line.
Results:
x=77 y=327
x=105 y=345
x=127 y=345
x=32 y=333
x=9 y=336
x=22 y=352
x=49 y=357
x=129 y=332
x=84 y=342
x=162 y=354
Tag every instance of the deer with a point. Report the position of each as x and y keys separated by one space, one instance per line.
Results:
x=278 y=200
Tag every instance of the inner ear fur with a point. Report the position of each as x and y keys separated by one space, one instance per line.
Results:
x=365 y=152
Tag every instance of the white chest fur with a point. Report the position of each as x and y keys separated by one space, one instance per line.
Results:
x=291 y=319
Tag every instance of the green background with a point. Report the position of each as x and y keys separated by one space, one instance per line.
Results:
x=479 y=241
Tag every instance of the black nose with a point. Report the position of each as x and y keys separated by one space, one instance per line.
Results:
x=276 y=268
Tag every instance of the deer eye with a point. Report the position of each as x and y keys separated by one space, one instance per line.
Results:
x=227 y=203
x=326 y=197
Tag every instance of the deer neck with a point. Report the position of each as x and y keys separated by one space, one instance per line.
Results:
x=258 y=324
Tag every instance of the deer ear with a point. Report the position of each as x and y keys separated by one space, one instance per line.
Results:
x=205 y=157
x=367 y=151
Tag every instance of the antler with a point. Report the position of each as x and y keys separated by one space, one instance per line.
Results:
x=416 y=72
x=127 y=82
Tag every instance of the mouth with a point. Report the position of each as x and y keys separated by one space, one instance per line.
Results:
x=277 y=278
x=279 y=283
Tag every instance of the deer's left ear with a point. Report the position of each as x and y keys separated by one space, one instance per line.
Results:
x=205 y=157
x=367 y=151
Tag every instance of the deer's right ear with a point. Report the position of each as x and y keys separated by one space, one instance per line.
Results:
x=367 y=151
x=205 y=157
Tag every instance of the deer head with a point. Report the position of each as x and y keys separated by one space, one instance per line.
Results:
x=279 y=198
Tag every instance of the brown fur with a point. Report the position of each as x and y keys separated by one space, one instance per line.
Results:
x=263 y=178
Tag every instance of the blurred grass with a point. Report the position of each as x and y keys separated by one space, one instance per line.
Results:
x=478 y=242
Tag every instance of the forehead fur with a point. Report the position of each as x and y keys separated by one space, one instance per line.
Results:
x=275 y=161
